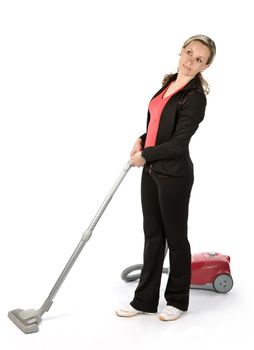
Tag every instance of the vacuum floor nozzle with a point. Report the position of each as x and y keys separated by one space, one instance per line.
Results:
x=26 y=320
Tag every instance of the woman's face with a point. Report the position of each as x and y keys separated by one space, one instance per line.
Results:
x=193 y=59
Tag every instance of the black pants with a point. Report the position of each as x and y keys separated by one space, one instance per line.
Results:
x=165 y=202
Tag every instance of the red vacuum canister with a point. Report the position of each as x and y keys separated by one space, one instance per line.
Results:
x=211 y=271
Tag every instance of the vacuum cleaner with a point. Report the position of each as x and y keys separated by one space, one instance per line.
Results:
x=209 y=269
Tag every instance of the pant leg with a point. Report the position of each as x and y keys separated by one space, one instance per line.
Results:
x=147 y=293
x=174 y=196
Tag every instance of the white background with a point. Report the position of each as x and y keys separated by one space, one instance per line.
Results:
x=76 y=79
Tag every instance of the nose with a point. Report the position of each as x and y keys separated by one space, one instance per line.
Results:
x=189 y=62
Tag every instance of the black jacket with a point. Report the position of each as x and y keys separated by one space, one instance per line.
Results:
x=180 y=119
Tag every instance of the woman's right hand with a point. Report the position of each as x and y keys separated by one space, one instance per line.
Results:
x=137 y=147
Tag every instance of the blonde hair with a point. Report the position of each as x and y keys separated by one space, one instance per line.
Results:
x=205 y=40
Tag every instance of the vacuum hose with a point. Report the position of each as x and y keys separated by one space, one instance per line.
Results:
x=126 y=274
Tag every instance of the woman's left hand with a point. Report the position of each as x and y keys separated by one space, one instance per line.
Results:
x=138 y=160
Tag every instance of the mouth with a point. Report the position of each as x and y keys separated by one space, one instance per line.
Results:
x=186 y=67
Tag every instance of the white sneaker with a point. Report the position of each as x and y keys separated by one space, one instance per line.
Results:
x=170 y=313
x=128 y=311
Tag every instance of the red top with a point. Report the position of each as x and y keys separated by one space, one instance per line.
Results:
x=156 y=106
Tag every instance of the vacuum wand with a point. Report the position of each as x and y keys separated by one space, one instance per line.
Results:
x=28 y=320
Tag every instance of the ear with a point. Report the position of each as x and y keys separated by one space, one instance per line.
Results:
x=205 y=67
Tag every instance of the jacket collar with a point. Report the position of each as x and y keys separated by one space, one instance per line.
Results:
x=192 y=84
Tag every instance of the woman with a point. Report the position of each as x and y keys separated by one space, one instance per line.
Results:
x=174 y=115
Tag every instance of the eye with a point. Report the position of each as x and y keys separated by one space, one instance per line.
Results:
x=189 y=52
x=199 y=60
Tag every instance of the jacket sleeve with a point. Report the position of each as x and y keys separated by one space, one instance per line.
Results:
x=190 y=114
